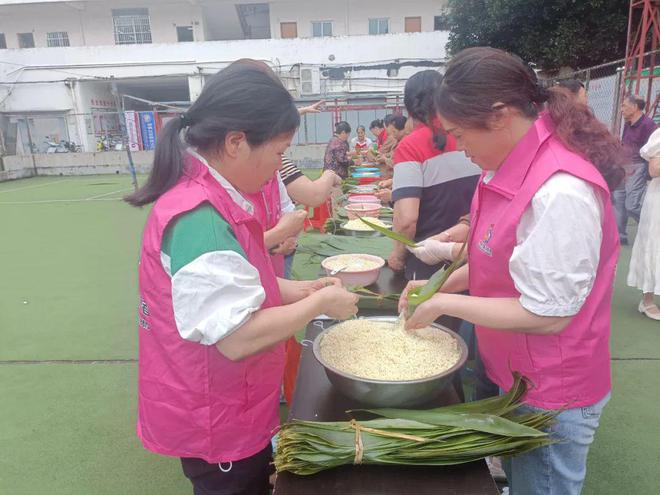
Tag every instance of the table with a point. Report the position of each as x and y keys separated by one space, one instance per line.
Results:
x=317 y=400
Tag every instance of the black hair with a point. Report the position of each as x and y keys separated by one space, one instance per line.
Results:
x=387 y=120
x=637 y=100
x=419 y=101
x=342 y=126
x=376 y=123
x=399 y=122
x=361 y=127
x=246 y=96
x=573 y=85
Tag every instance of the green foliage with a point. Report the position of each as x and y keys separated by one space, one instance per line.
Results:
x=550 y=33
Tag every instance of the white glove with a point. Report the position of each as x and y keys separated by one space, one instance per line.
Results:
x=433 y=252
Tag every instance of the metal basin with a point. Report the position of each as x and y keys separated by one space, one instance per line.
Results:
x=381 y=393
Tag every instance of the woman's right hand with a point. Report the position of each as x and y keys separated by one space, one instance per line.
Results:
x=333 y=177
x=403 y=300
x=292 y=223
x=337 y=302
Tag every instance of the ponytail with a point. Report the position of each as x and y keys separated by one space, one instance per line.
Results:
x=582 y=132
x=167 y=168
x=418 y=100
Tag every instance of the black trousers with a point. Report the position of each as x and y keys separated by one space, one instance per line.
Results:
x=245 y=477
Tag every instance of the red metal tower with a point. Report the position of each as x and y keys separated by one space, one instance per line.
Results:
x=643 y=37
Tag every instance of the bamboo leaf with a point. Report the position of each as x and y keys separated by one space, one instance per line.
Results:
x=422 y=294
x=388 y=233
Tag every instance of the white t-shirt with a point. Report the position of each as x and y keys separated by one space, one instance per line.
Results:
x=366 y=144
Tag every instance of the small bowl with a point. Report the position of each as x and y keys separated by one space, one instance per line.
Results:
x=357 y=210
x=363 y=233
x=366 y=175
x=363 y=198
x=368 y=180
x=356 y=278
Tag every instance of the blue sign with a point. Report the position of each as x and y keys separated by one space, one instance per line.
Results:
x=148 y=128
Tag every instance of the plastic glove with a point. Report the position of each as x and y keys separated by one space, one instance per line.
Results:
x=432 y=252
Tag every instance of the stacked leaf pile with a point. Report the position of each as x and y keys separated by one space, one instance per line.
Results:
x=434 y=437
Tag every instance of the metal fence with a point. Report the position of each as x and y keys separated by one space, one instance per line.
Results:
x=98 y=131
x=606 y=86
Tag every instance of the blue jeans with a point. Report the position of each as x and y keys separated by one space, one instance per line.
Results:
x=288 y=265
x=629 y=197
x=560 y=468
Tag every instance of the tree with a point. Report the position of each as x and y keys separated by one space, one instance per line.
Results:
x=550 y=33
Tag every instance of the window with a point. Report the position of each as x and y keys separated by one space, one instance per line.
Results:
x=58 y=38
x=379 y=26
x=413 y=24
x=441 y=23
x=321 y=29
x=25 y=40
x=289 y=29
x=184 y=33
x=131 y=26
x=3 y=41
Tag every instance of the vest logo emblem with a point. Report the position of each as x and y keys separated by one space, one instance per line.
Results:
x=483 y=243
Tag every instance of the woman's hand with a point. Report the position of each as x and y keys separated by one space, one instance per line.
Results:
x=433 y=252
x=333 y=177
x=287 y=247
x=315 y=108
x=292 y=223
x=322 y=283
x=403 y=300
x=385 y=195
x=385 y=184
x=396 y=262
x=426 y=313
x=337 y=302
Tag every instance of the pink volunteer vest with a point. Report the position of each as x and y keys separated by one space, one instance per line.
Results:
x=192 y=401
x=570 y=368
x=268 y=210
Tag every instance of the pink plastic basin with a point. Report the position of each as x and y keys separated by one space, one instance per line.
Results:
x=356 y=278
x=356 y=210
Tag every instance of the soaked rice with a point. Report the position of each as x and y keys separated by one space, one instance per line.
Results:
x=380 y=350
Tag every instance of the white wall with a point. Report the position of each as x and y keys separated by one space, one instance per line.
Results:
x=351 y=17
x=90 y=23
x=131 y=61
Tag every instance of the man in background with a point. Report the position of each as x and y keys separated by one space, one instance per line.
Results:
x=628 y=199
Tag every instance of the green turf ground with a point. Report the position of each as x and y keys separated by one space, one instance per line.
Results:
x=69 y=262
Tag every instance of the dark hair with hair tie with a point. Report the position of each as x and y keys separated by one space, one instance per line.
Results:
x=244 y=97
x=418 y=100
x=478 y=78
x=185 y=120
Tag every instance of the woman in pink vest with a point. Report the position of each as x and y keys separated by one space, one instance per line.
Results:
x=542 y=252
x=213 y=315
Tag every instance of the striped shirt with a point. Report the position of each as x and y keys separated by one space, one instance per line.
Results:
x=289 y=171
x=443 y=181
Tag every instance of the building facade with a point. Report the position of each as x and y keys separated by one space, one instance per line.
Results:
x=60 y=60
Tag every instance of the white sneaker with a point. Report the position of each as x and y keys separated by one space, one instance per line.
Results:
x=651 y=310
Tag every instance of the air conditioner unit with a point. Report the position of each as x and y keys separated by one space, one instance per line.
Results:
x=310 y=81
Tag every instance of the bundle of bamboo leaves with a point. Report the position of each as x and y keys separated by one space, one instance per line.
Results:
x=433 y=437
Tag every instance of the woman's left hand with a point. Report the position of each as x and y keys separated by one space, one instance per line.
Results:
x=315 y=285
x=426 y=313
